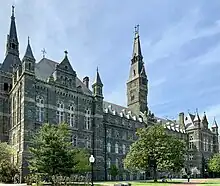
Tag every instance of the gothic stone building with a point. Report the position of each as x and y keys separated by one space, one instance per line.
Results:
x=50 y=92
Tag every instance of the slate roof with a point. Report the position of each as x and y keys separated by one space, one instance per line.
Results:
x=44 y=69
x=28 y=52
x=10 y=61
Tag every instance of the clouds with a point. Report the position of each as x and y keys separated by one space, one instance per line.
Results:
x=180 y=44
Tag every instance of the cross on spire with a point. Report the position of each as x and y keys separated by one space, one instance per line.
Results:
x=65 y=52
x=43 y=52
x=136 y=29
x=13 y=10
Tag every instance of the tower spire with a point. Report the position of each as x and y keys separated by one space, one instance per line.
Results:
x=137 y=89
x=137 y=44
x=29 y=53
x=12 y=47
x=97 y=85
x=97 y=78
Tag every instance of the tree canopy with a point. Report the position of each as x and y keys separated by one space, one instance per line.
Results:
x=7 y=168
x=52 y=152
x=6 y=152
x=155 y=148
x=214 y=163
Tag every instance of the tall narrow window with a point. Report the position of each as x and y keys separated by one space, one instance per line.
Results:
x=74 y=140
x=39 y=108
x=123 y=149
x=71 y=116
x=60 y=112
x=88 y=142
x=108 y=147
x=116 y=148
x=116 y=162
x=109 y=163
x=87 y=121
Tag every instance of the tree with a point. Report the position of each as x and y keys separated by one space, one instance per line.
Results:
x=52 y=153
x=83 y=164
x=6 y=152
x=155 y=148
x=113 y=171
x=7 y=168
x=214 y=163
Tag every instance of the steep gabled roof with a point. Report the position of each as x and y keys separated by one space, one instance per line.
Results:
x=45 y=67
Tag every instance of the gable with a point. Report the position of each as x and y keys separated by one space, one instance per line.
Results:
x=45 y=68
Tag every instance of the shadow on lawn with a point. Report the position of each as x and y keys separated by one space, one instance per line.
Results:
x=199 y=183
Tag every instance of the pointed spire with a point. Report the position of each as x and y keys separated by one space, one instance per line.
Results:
x=143 y=73
x=214 y=125
x=97 y=78
x=197 y=119
x=29 y=53
x=204 y=119
x=137 y=44
x=13 y=31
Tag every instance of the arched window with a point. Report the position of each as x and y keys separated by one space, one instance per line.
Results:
x=116 y=148
x=87 y=121
x=71 y=120
x=60 y=112
x=123 y=149
x=88 y=142
x=40 y=108
x=116 y=162
x=74 y=140
x=109 y=163
x=108 y=147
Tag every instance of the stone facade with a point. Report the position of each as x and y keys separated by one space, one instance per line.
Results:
x=50 y=92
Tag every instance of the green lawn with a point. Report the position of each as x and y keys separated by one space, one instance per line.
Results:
x=198 y=182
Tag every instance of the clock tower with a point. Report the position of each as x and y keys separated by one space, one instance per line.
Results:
x=137 y=88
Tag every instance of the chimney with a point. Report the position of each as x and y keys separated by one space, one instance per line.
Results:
x=181 y=118
x=86 y=81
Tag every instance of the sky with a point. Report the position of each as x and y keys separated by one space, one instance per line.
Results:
x=180 y=43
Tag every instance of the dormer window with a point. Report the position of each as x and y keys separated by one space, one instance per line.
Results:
x=66 y=67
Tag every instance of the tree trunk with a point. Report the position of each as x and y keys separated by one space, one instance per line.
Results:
x=155 y=172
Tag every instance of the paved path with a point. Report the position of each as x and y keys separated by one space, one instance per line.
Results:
x=191 y=183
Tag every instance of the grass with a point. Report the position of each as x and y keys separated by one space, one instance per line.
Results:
x=197 y=182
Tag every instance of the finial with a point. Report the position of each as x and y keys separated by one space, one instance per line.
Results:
x=13 y=10
x=43 y=52
x=65 y=53
x=28 y=40
x=197 y=110
x=97 y=69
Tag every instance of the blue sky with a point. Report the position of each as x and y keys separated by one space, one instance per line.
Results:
x=180 y=44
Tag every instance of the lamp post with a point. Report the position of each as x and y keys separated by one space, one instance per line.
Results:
x=92 y=160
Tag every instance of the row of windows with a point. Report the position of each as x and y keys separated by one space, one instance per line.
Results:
x=109 y=163
x=87 y=141
x=60 y=117
x=116 y=148
x=125 y=135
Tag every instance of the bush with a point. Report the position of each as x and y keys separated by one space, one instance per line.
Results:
x=7 y=172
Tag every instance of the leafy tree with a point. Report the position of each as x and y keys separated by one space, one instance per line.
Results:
x=52 y=152
x=155 y=148
x=7 y=171
x=82 y=160
x=6 y=152
x=214 y=163
x=113 y=171
x=7 y=168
